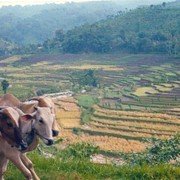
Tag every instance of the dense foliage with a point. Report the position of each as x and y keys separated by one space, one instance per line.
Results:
x=6 y=48
x=84 y=78
x=143 y=30
x=80 y=151
x=86 y=103
x=162 y=151
x=34 y=24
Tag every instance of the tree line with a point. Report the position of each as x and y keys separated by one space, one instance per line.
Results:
x=154 y=29
x=34 y=24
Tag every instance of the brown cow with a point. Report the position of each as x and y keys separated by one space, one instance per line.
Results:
x=29 y=107
x=32 y=126
x=9 y=127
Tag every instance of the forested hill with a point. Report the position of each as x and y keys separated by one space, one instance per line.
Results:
x=146 y=29
x=34 y=24
x=7 y=48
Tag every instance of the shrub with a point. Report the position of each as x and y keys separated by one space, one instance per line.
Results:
x=86 y=115
x=86 y=101
x=80 y=151
x=76 y=131
x=162 y=151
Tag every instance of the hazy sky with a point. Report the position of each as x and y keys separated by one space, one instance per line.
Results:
x=30 y=2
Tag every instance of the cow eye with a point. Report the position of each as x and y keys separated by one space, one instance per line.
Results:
x=9 y=124
x=41 y=121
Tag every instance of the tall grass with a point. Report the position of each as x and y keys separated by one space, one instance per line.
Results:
x=55 y=168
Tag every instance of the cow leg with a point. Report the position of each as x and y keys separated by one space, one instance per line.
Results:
x=16 y=160
x=3 y=165
x=29 y=165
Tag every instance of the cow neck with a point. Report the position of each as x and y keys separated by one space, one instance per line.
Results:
x=8 y=138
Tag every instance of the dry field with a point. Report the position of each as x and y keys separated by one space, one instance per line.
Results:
x=113 y=130
x=138 y=95
x=67 y=113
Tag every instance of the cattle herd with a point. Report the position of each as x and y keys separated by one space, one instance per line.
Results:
x=21 y=126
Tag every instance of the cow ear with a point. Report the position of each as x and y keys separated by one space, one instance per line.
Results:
x=27 y=117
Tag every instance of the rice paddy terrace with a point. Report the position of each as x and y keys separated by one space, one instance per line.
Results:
x=138 y=96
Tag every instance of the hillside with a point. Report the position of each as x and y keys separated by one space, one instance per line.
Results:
x=6 y=47
x=137 y=96
x=34 y=24
x=146 y=29
x=114 y=78
x=135 y=103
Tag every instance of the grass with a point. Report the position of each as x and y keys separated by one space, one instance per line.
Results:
x=57 y=169
x=86 y=101
x=163 y=89
x=20 y=91
x=11 y=59
x=142 y=91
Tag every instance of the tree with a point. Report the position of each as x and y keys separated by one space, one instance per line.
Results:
x=89 y=78
x=85 y=78
x=164 y=4
x=5 y=85
x=59 y=35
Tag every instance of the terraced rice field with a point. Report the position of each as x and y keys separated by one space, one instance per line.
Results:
x=138 y=96
x=67 y=112
x=135 y=125
x=68 y=116
x=105 y=142
x=114 y=130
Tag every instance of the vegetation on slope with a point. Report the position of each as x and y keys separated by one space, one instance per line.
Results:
x=74 y=163
x=54 y=169
x=34 y=24
x=162 y=151
x=146 y=29
x=6 y=47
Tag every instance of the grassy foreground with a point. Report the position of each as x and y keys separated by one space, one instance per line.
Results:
x=75 y=169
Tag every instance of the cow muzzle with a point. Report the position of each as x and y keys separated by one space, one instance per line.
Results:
x=55 y=133
x=50 y=142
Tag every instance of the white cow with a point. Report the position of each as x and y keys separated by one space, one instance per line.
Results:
x=28 y=107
